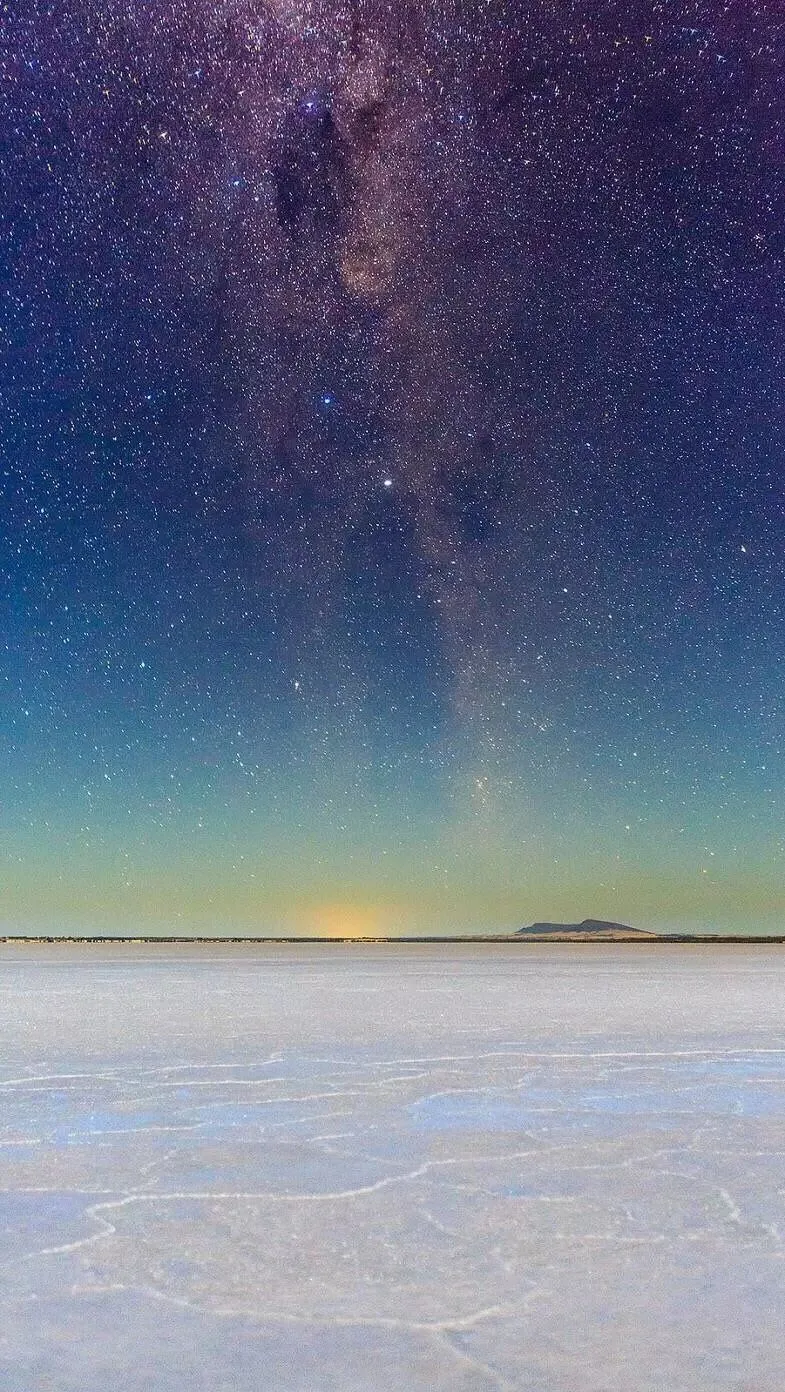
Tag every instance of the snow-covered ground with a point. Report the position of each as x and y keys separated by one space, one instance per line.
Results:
x=415 y=1169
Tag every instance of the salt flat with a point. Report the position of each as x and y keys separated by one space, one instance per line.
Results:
x=316 y=1169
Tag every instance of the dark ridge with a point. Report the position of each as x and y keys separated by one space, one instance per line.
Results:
x=589 y=926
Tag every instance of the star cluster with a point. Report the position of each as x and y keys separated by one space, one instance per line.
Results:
x=391 y=420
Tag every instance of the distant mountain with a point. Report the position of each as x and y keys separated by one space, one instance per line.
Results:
x=589 y=928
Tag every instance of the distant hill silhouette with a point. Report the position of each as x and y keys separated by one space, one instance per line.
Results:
x=588 y=928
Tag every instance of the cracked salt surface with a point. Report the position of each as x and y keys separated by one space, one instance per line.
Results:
x=323 y=1170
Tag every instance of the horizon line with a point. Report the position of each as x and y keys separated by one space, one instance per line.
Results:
x=637 y=936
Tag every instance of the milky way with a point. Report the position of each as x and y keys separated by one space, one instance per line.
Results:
x=392 y=413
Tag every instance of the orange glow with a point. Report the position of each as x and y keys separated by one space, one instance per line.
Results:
x=343 y=921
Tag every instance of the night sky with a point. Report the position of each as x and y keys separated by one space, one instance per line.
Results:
x=391 y=450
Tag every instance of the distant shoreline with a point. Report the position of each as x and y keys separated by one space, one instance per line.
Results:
x=502 y=939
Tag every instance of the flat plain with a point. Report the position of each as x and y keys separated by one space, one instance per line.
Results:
x=342 y=1167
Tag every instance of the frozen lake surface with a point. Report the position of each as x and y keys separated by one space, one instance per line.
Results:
x=416 y=1169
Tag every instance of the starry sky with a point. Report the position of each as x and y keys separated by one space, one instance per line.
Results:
x=391 y=465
